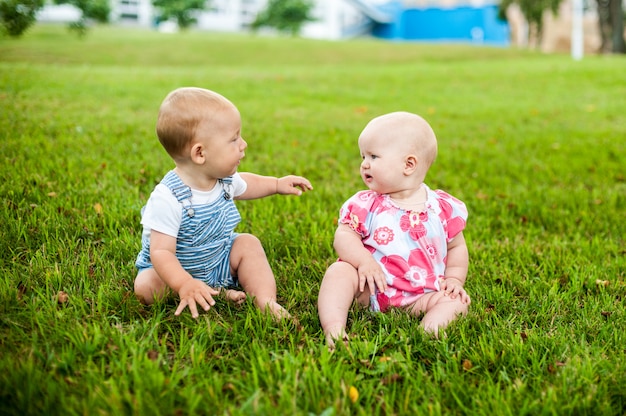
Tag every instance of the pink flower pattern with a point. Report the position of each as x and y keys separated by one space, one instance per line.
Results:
x=383 y=235
x=431 y=249
x=410 y=246
x=411 y=277
x=412 y=222
x=355 y=217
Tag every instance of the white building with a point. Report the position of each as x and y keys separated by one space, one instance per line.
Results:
x=334 y=19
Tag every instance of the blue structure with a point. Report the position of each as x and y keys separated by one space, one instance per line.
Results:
x=460 y=24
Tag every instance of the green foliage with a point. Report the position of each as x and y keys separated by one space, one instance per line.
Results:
x=533 y=143
x=92 y=10
x=16 y=16
x=533 y=11
x=181 y=10
x=286 y=16
x=97 y=10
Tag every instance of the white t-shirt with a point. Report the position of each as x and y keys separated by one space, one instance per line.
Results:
x=163 y=211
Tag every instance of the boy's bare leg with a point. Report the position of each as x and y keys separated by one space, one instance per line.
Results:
x=149 y=287
x=440 y=311
x=249 y=262
x=337 y=292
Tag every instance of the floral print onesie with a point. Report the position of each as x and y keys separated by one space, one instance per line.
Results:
x=410 y=246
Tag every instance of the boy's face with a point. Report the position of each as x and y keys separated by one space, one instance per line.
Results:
x=222 y=144
x=383 y=160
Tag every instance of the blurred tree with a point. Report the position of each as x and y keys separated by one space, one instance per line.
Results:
x=533 y=12
x=181 y=10
x=286 y=16
x=16 y=16
x=611 y=24
x=92 y=10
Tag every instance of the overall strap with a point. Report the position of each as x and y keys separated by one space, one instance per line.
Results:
x=227 y=184
x=176 y=185
x=181 y=191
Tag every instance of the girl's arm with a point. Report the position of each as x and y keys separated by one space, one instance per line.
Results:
x=457 y=259
x=350 y=249
x=456 y=269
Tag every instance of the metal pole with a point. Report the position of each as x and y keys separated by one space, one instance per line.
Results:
x=577 y=29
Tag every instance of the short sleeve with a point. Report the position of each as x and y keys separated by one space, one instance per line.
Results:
x=355 y=212
x=239 y=185
x=162 y=212
x=453 y=214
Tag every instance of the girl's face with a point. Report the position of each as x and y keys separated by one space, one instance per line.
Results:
x=383 y=162
x=222 y=144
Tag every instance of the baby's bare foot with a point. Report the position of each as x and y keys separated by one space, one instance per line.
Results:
x=236 y=296
x=278 y=312
x=334 y=336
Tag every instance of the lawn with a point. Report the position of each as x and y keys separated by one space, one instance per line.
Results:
x=533 y=143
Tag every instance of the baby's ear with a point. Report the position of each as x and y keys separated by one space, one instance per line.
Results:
x=197 y=153
x=410 y=164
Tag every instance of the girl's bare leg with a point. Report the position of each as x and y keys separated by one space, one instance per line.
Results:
x=440 y=311
x=337 y=292
x=249 y=262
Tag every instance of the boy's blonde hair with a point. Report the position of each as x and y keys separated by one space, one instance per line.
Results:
x=181 y=113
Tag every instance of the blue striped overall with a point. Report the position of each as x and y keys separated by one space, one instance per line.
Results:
x=205 y=237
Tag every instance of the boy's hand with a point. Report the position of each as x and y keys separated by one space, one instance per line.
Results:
x=195 y=291
x=453 y=288
x=371 y=273
x=292 y=185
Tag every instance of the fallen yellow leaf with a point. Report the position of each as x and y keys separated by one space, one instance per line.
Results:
x=354 y=394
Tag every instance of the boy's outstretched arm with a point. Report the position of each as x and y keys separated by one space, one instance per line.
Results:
x=261 y=186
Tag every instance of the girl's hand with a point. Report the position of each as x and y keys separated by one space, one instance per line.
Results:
x=453 y=287
x=371 y=273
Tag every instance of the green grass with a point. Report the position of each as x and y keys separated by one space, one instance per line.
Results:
x=534 y=144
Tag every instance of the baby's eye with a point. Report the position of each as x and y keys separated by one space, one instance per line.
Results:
x=374 y=157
